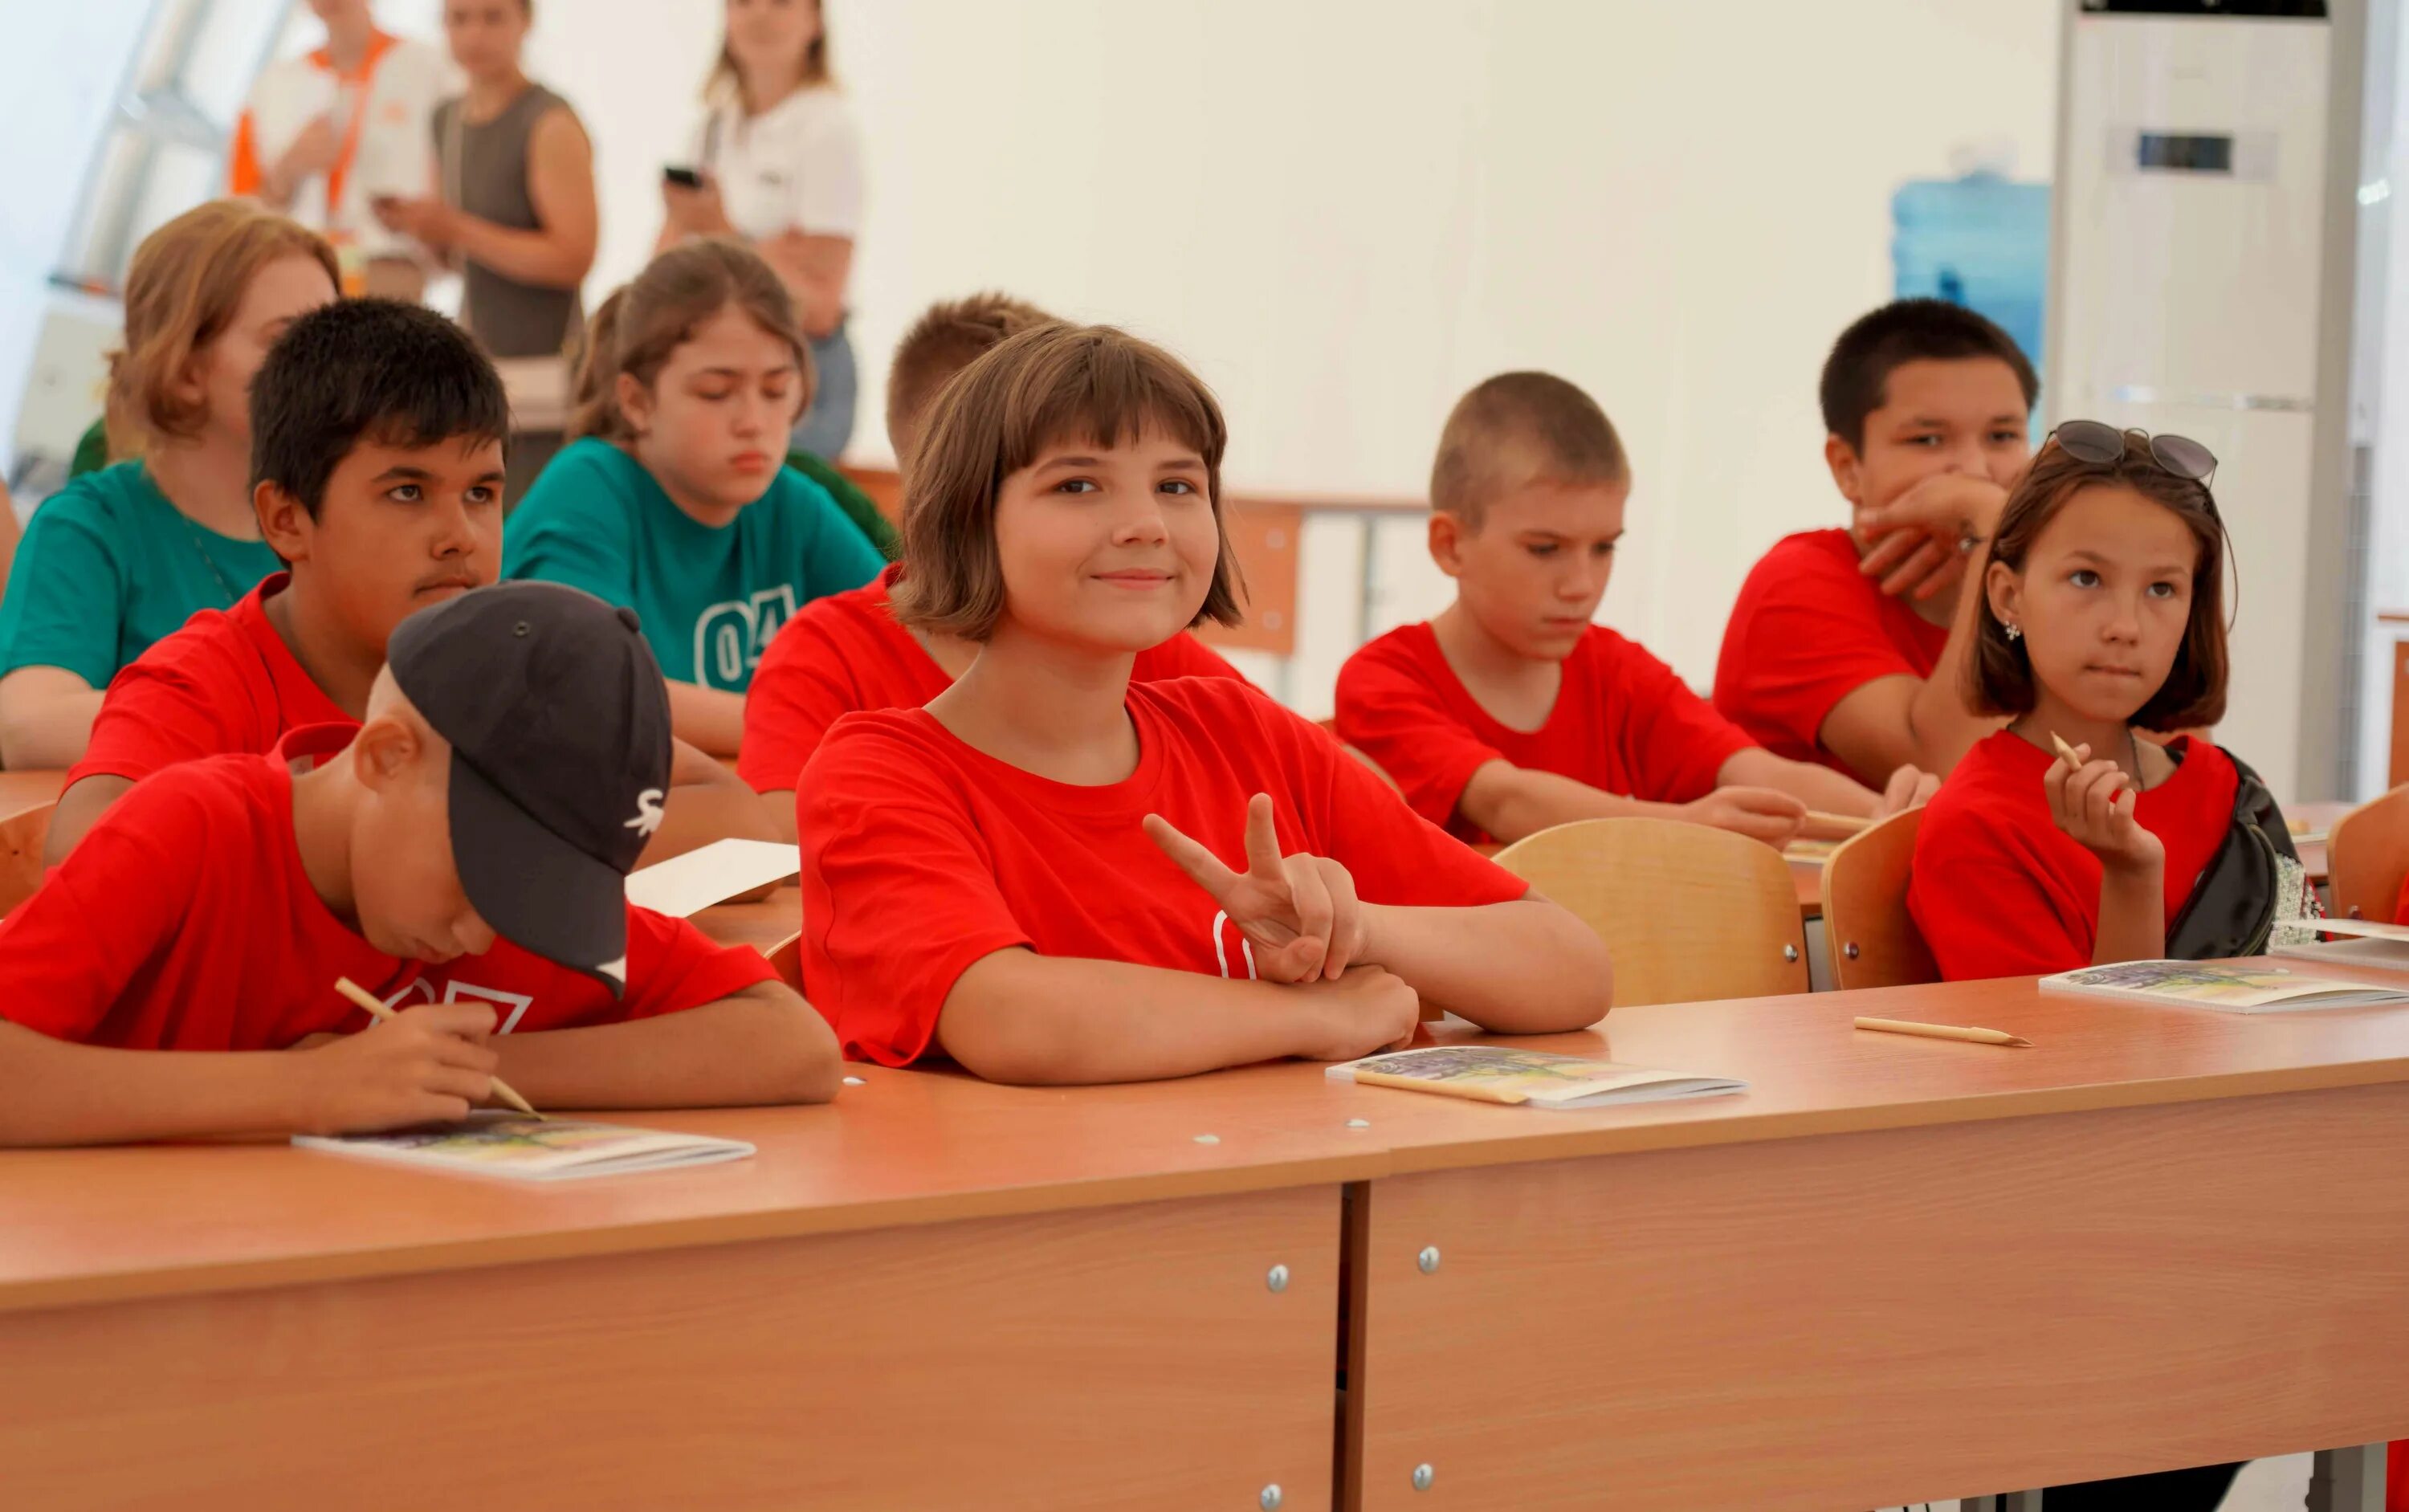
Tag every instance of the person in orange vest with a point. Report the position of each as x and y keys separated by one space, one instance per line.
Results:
x=325 y=135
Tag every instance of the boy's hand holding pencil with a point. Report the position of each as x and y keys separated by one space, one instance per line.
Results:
x=428 y=1064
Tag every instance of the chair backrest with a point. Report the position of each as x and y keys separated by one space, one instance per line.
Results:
x=1688 y=913
x=21 y=854
x=1872 y=937
x=2368 y=856
x=786 y=959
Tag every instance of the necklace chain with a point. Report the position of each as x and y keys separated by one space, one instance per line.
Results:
x=201 y=549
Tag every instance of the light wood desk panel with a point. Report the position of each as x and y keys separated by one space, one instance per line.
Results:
x=1875 y=1318
x=1130 y=1357
x=1894 y=1270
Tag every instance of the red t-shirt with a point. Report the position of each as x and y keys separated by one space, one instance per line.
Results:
x=922 y=854
x=1999 y=890
x=845 y=654
x=185 y=922
x=1808 y=630
x=1622 y=723
x=224 y=683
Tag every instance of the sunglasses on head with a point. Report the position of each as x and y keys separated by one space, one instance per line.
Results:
x=2101 y=444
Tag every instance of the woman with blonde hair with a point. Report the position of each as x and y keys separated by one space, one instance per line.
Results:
x=121 y=556
x=777 y=162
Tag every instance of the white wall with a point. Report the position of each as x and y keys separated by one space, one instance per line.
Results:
x=1346 y=211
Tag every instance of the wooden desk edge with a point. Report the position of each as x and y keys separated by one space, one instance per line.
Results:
x=476 y=1253
x=1516 y=1148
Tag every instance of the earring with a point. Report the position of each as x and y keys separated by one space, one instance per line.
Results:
x=2015 y=632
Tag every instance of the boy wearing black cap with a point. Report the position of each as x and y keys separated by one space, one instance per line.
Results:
x=463 y=855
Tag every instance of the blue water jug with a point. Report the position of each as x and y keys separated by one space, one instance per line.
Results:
x=1979 y=242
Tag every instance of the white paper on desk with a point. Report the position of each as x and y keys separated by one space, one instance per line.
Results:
x=2365 y=943
x=686 y=884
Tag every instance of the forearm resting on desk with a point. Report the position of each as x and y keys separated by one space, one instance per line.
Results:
x=1511 y=802
x=46 y=714
x=765 y=1045
x=1036 y=1020
x=1527 y=967
x=61 y=1093
x=712 y=719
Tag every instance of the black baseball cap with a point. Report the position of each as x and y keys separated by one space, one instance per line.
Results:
x=560 y=726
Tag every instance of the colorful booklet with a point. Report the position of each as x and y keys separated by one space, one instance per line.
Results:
x=534 y=1149
x=2367 y=942
x=2232 y=990
x=1494 y=1073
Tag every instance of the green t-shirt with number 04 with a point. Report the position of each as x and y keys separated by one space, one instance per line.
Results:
x=709 y=597
x=108 y=565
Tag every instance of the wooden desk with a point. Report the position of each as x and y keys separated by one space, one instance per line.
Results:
x=764 y=926
x=23 y=790
x=934 y=1293
x=1896 y=1269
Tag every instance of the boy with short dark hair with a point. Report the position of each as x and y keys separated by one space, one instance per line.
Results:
x=1512 y=712
x=463 y=855
x=1848 y=647
x=845 y=652
x=377 y=436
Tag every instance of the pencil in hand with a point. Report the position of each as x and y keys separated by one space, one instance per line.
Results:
x=362 y=998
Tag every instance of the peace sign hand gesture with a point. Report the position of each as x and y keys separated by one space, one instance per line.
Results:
x=1299 y=912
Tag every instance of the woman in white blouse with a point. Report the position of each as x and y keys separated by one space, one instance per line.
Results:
x=778 y=158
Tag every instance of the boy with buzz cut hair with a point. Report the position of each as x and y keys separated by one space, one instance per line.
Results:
x=463 y=855
x=1848 y=647
x=377 y=436
x=845 y=652
x=949 y=336
x=1511 y=711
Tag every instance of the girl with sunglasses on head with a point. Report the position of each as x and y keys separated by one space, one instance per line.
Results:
x=2102 y=624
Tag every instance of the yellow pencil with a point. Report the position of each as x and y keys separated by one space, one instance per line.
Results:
x=2073 y=762
x=367 y=1003
x=1943 y=1032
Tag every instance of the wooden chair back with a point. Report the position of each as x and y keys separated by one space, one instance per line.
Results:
x=1264 y=537
x=2368 y=857
x=1688 y=913
x=21 y=835
x=1872 y=937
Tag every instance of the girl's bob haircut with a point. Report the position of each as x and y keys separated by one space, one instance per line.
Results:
x=1999 y=674
x=1046 y=386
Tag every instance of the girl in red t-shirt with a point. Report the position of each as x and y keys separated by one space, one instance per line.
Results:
x=2103 y=622
x=1053 y=875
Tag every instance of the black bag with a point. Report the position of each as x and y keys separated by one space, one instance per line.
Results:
x=2239 y=899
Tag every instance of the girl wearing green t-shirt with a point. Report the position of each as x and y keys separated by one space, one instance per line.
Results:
x=676 y=502
x=123 y=557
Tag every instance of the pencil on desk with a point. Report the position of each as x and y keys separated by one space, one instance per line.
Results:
x=366 y=1002
x=1943 y=1032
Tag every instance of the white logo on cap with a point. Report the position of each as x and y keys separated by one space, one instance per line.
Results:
x=648 y=813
